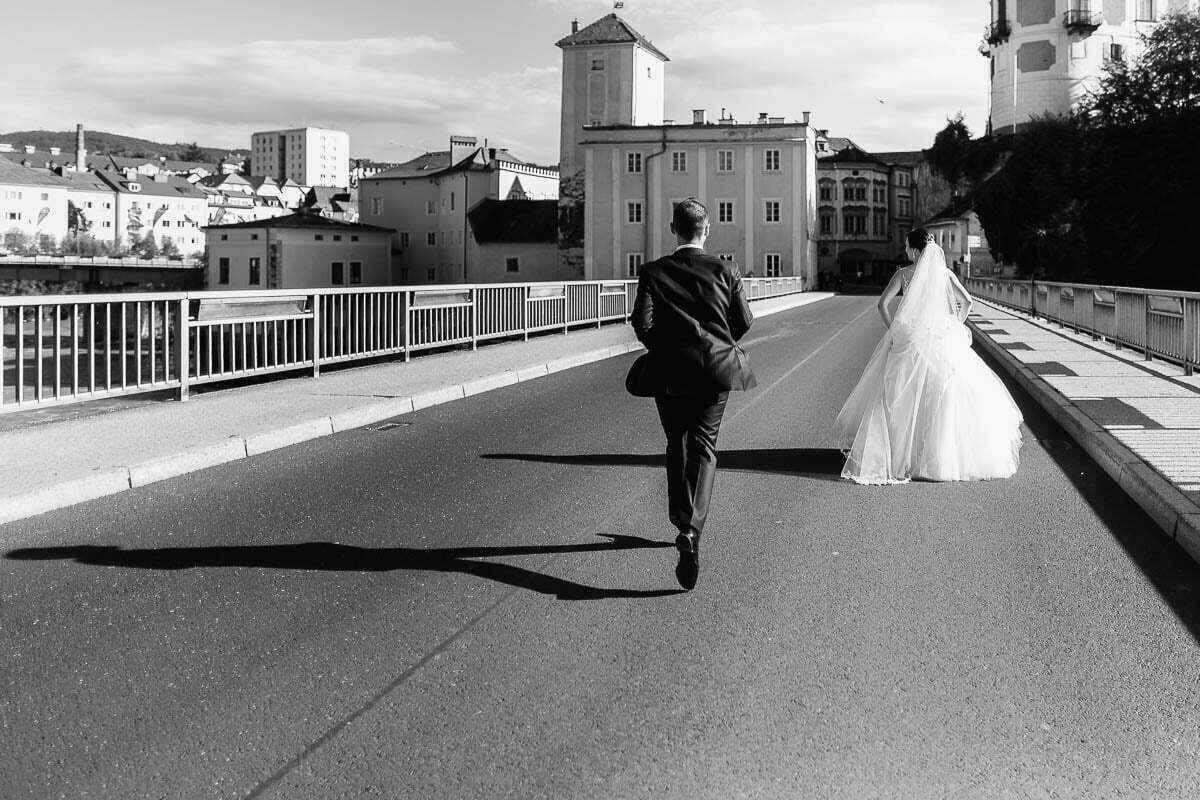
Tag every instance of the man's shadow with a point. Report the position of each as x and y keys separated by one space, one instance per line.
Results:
x=347 y=558
x=809 y=462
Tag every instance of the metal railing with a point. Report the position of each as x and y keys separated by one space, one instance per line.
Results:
x=73 y=348
x=1159 y=322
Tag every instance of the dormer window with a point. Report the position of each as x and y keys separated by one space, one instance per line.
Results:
x=135 y=187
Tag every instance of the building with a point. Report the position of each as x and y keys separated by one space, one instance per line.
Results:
x=298 y=251
x=426 y=200
x=308 y=156
x=624 y=167
x=854 y=215
x=33 y=205
x=958 y=232
x=96 y=204
x=1045 y=55
x=512 y=241
x=166 y=207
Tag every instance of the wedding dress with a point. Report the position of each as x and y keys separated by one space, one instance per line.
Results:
x=926 y=405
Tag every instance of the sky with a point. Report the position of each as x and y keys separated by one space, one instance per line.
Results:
x=402 y=76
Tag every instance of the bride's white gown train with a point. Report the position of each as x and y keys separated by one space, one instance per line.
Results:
x=926 y=405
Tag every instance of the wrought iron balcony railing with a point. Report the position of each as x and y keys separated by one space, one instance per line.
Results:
x=1082 y=20
x=998 y=32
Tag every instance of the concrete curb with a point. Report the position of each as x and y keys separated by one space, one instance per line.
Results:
x=1176 y=513
x=116 y=479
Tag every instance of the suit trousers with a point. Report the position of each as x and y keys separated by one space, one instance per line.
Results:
x=691 y=423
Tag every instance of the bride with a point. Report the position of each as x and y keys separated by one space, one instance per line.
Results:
x=926 y=406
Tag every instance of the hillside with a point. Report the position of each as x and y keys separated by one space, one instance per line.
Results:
x=110 y=143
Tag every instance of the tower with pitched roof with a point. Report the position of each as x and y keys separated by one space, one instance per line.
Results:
x=612 y=75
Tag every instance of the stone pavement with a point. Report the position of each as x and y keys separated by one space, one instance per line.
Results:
x=1139 y=419
x=61 y=455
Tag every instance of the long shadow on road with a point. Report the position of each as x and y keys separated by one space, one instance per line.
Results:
x=821 y=463
x=346 y=558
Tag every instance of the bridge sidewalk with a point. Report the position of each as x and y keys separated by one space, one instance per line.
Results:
x=1139 y=419
x=61 y=455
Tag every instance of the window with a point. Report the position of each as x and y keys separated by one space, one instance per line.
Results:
x=854 y=222
x=255 y=271
x=1115 y=52
x=512 y=264
x=403 y=274
x=254 y=237
x=633 y=211
x=224 y=237
x=772 y=264
x=45 y=196
x=678 y=161
x=376 y=206
x=337 y=237
x=826 y=191
x=725 y=256
x=1145 y=11
x=633 y=264
x=431 y=239
x=337 y=273
x=223 y=271
x=633 y=162
x=725 y=211
x=771 y=210
x=430 y=207
x=431 y=274
x=403 y=241
x=826 y=219
x=771 y=160
x=724 y=161
x=319 y=237
x=356 y=272
x=597 y=65
x=452 y=201
x=353 y=238
x=14 y=215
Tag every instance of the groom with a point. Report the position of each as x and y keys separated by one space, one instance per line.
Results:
x=689 y=313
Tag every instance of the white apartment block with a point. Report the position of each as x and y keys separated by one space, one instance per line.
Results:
x=32 y=202
x=308 y=156
x=1045 y=55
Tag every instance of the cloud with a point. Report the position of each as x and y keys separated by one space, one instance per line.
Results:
x=395 y=95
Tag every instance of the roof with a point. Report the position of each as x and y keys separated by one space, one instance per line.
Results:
x=959 y=206
x=171 y=187
x=303 y=220
x=905 y=157
x=432 y=164
x=609 y=30
x=850 y=155
x=839 y=143
x=17 y=175
x=512 y=221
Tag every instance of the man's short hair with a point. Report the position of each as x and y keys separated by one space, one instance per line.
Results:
x=689 y=218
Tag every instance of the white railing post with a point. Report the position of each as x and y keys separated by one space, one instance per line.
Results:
x=316 y=334
x=525 y=312
x=183 y=344
x=475 y=318
x=406 y=303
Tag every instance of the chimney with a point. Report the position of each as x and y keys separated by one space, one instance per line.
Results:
x=461 y=147
x=805 y=116
x=80 y=151
x=574 y=26
x=698 y=116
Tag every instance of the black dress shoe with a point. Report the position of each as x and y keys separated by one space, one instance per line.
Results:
x=688 y=568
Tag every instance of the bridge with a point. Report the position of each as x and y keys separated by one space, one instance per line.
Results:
x=445 y=570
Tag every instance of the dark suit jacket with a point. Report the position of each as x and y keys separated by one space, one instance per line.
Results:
x=689 y=313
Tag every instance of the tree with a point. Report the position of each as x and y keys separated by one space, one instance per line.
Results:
x=169 y=249
x=1163 y=83
x=192 y=152
x=146 y=247
x=948 y=156
x=77 y=221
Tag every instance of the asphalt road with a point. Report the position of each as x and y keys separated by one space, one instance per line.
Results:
x=479 y=603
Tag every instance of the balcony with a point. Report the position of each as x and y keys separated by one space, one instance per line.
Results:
x=1082 y=21
x=998 y=32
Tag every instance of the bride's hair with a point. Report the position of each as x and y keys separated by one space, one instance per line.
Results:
x=918 y=238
